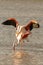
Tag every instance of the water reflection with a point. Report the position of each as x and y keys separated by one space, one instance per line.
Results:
x=21 y=58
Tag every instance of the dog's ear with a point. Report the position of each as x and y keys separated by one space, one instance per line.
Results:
x=11 y=21
x=36 y=25
x=32 y=24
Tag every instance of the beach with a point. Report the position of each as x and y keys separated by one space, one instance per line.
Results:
x=23 y=11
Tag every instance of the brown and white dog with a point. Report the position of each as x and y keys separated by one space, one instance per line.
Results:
x=22 y=32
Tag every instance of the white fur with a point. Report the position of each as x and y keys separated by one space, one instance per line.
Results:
x=20 y=30
x=17 y=33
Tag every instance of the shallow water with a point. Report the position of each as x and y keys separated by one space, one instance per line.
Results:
x=32 y=51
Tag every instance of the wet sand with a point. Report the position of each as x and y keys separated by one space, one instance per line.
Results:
x=23 y=11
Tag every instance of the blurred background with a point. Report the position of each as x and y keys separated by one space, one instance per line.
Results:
x=23 y=11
